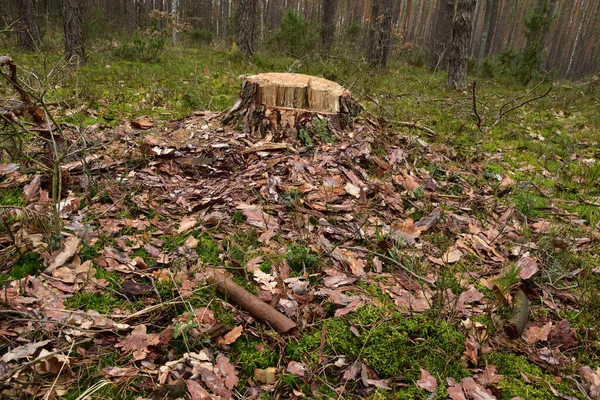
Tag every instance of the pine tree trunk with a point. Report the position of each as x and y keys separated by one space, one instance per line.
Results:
x=74 y=50
x=378 y=48
x=328 y=23
x=29 y=30
x=439 y=40
x=246 y=26
x=459 y=49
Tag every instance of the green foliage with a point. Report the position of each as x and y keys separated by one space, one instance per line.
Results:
x=305 y=138
x=295 y=36
x=352 y=32
x=529 y=203
x=145 y=45
x=302 y=258
x=202 y=36
x=531 y=58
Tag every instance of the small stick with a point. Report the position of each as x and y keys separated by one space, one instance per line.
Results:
x=248 y=302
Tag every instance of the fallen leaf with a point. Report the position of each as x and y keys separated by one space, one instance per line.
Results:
x=196 y=391
x=470 y=296
x=489 y=377
x=535 y=333
x=296 y=368
x=593 y=378
x=527 y=266
x=142 y=124
x=452 y=255
x=186 y=223
x=475 y=391
x=266 y=376
x=563 y=336
x=227 y=371
x=427 y=381
x=63 y=255
x=231 y=336
x=23 y=351
x=138 y=341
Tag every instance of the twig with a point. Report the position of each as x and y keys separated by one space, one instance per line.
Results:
x=390 y=259
x=480 y=119
x=502 y=112
x=414 y=125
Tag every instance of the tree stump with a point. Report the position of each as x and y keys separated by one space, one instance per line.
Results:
x=282 y=104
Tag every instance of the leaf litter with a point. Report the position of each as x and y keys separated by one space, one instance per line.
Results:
x=196 y=177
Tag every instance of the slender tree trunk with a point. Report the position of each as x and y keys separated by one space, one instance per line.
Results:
x=487 y=22
x=439 y=39
x=379 y=33
x=328 y=23
x=246 y=26
x=491 y=31
x=74 y=50
x=459 y=49
x=29 y=30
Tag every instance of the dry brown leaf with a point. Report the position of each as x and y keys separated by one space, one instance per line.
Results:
x=296 y=368
x=527 y=266
x=196 y=391
x=68 y=250
x=138 y=341
x=535 y=333
x=427 y=381
x=231 y=336
x=452 y=255
x=186 y=223
x=226 y=370
x=23 y=351
x=266 y=376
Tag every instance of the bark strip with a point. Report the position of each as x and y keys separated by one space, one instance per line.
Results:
x=515 y=325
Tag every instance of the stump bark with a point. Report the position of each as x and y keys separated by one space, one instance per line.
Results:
x=282 y=104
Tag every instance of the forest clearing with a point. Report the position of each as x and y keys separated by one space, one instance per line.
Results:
x=208 y=224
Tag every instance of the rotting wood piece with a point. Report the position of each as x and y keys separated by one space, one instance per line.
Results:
x=515 y=325
x=248 y=302
x=285 y=103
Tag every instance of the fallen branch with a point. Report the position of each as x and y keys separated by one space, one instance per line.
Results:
x=520 y=314
x=248 y=302
x=414 y=125
x=504 y=110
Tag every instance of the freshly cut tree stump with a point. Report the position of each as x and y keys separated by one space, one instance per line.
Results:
x=282 y=104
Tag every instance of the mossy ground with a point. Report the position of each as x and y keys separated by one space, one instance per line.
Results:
x=543 y=146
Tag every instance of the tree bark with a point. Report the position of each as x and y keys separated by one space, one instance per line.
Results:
x=74 y=50
x=380 y=24
x=29 y=30
x=459 y=49
x=328 y=23
x=246 y=26
x=439 y=40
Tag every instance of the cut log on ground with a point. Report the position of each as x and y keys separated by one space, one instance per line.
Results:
x=282 y=104
x=248 y=302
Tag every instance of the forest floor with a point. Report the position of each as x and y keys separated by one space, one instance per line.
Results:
x=398 y=252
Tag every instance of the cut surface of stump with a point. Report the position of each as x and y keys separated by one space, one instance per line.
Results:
x=282 y=104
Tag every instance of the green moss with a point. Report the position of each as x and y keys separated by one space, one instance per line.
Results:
x=12 y=197
x=101 y=302
x=396 y=344
x=28 y=264
x=251 y=353
x=512 y=366
x=208 y=250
